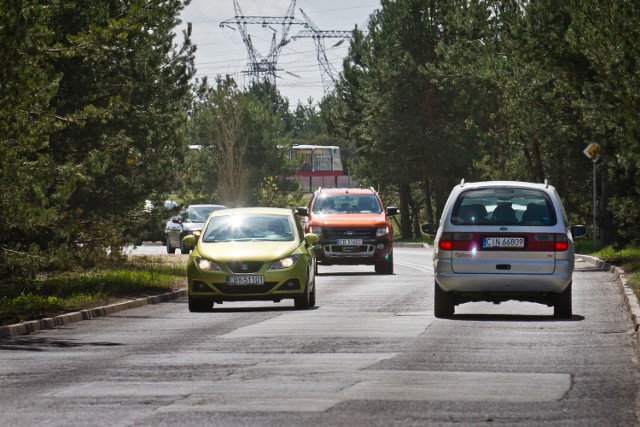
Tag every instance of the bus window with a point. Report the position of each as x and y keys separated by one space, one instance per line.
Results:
x=322 y=159
x=304 y=159
x=337 y=161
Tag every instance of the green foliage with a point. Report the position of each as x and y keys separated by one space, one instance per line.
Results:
x=52 y=294
x=239 y=133
x=92 y=108
x=491 y=89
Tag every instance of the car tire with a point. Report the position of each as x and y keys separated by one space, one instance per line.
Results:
x=303 y=302
x=170 y=249
x=312 y=295
x=183 y=250
x=385 y=266
x=562 y=308
x=200 y=305
x=443 y=306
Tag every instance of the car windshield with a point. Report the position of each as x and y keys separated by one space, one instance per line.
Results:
x=503 y=206
x=197 y=213
x=248 y=227
x=347 y=203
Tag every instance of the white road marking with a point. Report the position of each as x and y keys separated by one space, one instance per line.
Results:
x=317 y=392
x=426 y=267
x=336 y=324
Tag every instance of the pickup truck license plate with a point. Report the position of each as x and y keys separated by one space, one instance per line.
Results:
x=349 y=242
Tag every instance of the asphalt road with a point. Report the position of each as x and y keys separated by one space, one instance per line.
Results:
x=370 y=354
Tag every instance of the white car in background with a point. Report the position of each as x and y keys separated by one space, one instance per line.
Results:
x=188 y=222
x=500 y=241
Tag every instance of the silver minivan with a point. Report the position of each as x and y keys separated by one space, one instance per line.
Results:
x=500 y=241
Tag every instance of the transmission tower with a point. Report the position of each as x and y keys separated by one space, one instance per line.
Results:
x=263 y=67
x=327 y=71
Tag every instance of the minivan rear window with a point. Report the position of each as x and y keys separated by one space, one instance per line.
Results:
x=503 y=206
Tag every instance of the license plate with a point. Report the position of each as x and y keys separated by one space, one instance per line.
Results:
x=349 y=242
x=245 y=280
x=503 y=242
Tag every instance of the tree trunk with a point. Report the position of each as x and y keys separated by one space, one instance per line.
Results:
x=405 y=219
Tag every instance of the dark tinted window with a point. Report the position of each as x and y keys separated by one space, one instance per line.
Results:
x=251 y=227
x=347 y=203
x=503 y=206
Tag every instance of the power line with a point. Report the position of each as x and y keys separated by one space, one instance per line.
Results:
x=263 y=67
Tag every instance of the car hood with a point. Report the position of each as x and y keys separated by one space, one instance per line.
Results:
x=246 y=251
x=349 y=220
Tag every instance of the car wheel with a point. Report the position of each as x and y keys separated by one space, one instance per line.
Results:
x=200 y=305
x=304 y=301
x=312 y=295
x=183 y=250
x=443 y=306
x=562 y=305
x=170 y=249
x=385 y=266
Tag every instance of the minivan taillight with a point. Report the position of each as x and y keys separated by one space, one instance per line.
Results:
x=562 y=243
x=456 y=241
x=547 y=242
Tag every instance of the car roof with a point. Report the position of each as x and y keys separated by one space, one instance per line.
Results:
x=521 y=184
x=254 y=210
x=346 y=190
x=206 y=206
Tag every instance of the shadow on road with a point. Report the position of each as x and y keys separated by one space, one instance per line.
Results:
x=45 y=344
x=512 y=318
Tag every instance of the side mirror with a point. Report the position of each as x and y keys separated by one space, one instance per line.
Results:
x=176 y=220
x=578 y=231
x=429 y=229
x=392 y=210
x=311 y=239
x=302 y=211
x=189 y=242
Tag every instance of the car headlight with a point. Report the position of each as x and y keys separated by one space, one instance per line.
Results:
x=284 y=263
x=382 y=231
x=316 y=230
x=205 y=264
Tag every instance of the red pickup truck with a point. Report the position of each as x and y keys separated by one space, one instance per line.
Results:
x=353 y=226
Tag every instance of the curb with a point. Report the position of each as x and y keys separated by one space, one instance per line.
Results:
x=630 y=300
x=25 y=328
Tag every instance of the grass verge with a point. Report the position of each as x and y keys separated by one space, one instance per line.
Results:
x=53 y=294
x=626 y=258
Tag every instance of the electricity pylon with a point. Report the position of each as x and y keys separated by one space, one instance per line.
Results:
x=263 y=67
x=327 y=71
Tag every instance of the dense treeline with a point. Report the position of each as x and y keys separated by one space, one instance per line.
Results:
x=93 y=103
x=439 y=90
x=98 y=108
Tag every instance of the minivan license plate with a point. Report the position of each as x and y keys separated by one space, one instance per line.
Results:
x=503 y=242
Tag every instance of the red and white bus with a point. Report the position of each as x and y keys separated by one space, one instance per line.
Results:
x=318 y=166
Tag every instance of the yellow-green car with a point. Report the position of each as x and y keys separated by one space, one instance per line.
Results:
x=249 y=254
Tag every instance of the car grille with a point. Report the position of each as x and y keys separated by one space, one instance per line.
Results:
x=245 y=289
x=349 y=233
x=245 y=266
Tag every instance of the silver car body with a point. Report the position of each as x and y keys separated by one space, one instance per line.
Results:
x=501 y=240
x=188 y=222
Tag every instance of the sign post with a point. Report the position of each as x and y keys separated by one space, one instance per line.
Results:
x=593 y=152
